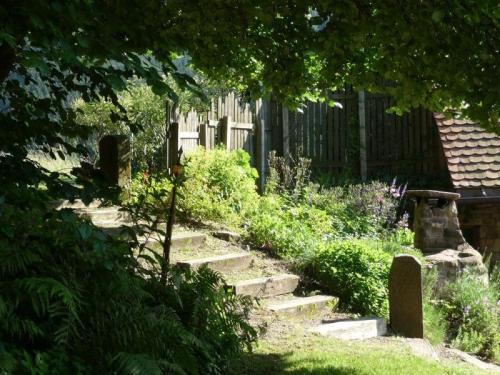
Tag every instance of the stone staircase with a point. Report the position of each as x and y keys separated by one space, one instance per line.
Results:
x=248 y=273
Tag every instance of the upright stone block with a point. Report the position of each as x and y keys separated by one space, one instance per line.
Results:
x=405 y=296
x=115 y=159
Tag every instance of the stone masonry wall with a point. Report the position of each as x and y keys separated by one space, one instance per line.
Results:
x=487 y=217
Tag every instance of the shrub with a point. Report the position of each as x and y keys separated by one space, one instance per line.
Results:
x=290 y=231
x=344 y=238
x=434 y=319
x=472 y=311
x=357 y=271
x=146 y=111
x=221 y=186
x=357 y=210
x=73 y=300
x=155 y=188
x=146 y=119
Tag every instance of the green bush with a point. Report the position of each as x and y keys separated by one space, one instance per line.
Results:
x=435 y=324
x=219 y=186
x=73 y=300
x=357 y=210
x=473 y=313
x=344 y=238
x=357 y=271
x=146 y=113
x=292 y=232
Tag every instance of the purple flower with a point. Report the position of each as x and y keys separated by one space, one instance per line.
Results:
x=466 y=310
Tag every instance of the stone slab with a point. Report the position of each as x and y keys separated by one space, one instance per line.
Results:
x=227 y=235
x=405 y=296
x=470 y=359
x=303 y=304
x=188 y=240
x=357 y=329
x=76 y=204
x=266 y=286
x=433 y=194
x=183 y=240
x=105 y=215
x=222 y=263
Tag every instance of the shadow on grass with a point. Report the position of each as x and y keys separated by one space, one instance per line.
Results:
x=274 y=364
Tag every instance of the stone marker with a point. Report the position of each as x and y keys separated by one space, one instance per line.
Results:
x=115 y=158
x=405 y=296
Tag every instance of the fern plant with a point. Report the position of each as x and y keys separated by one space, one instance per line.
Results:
x=74 y=300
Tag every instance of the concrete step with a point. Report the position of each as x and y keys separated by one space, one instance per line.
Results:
x=181 y=241
x=77 y=204
x=266 y=286
x=303 y=305
x=106 y=216
x=221 y=263
x=357 y=329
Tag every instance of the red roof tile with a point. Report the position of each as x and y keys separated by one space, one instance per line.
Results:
x=472 y=154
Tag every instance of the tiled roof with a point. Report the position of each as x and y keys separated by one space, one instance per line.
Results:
x=472 y=154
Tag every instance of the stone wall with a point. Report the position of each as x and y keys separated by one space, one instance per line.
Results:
x=484 y=219
x=439 y=237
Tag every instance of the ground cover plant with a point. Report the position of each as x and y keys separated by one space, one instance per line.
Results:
x=472 y=310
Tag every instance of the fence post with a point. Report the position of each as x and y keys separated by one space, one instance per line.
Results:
x=286 y=134
x=261 y=112
x=226 y=131
x=362 y=135
x=203 y=135
x=173 y=143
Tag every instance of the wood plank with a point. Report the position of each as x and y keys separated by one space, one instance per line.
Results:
x=243 y=126
x=362 y=135
x=336 y=133
x=189 y=135
x=310 y=131
x=317 y=133
x=329 y=133
x=285 y=132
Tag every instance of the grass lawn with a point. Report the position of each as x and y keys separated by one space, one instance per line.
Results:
x=308 y=354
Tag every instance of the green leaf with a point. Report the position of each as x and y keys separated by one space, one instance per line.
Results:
x=437 y=15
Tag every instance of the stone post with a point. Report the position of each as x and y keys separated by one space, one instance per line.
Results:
x=405 y=297
x=115 y=159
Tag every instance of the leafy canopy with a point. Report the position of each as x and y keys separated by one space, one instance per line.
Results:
x=439 y=54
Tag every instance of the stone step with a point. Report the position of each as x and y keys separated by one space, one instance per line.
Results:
x=181 y=241
x=357 y=329
x=221 y=263
x=77 y=204
x=106 y=216
x=303 y=305
x=266 y=286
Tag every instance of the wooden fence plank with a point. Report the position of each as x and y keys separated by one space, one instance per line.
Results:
x=225 y=127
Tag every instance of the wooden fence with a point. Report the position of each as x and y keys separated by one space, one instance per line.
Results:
x=231 y=121
x=356 y=137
